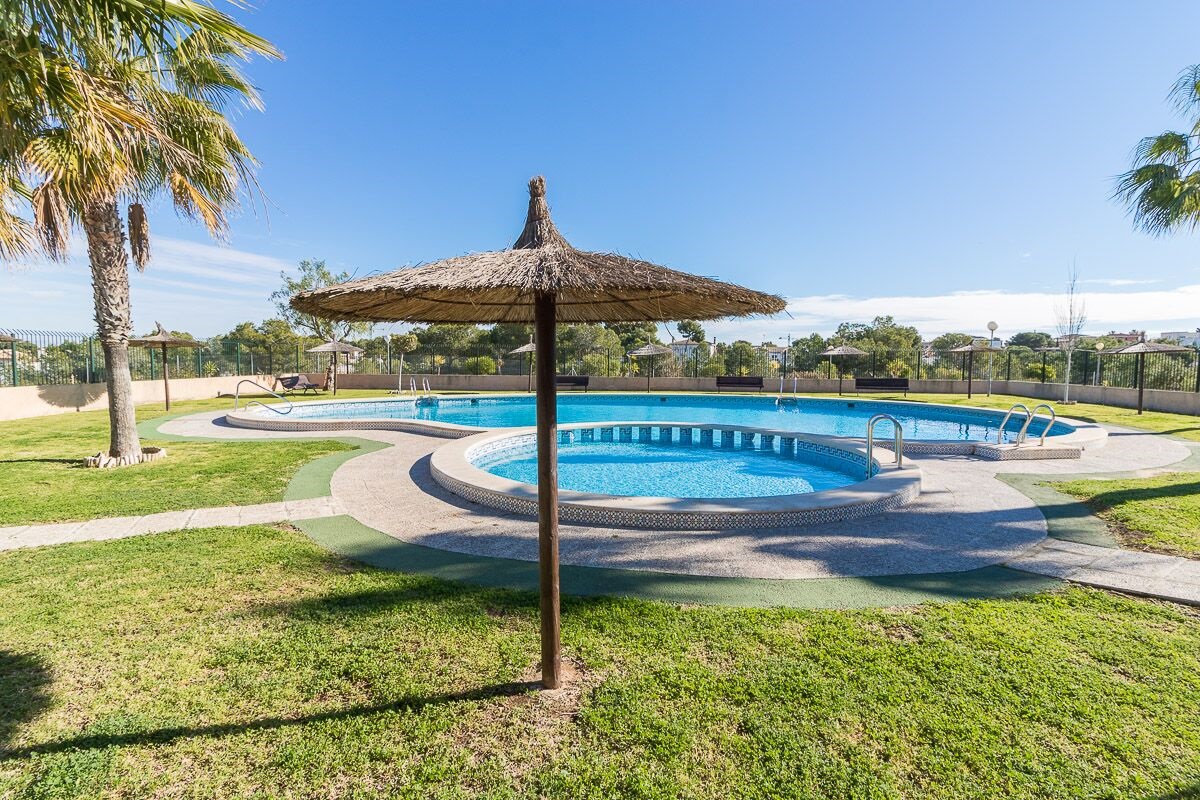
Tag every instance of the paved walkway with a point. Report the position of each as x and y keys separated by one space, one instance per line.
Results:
x=966 y=519
x=122 y=527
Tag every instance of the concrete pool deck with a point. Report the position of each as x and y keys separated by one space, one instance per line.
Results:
x=974 y=531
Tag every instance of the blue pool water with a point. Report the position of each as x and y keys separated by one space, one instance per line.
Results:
x=841 y=417
x=640 y=469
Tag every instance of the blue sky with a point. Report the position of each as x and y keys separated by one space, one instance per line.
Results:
x=942 y=162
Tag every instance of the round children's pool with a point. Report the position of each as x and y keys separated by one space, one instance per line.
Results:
x=715 y=467
x=679 y=475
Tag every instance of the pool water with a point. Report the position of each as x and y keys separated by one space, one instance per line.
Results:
x=840 y=417
x=650 y=469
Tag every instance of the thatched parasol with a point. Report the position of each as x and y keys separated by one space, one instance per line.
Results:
x=11 y=341
x=162 y=338
x=970 y=350
x=1140 y=350
x=544 y=280
x=841 y=350
x=651 y=351
x=334 y=347
x=530 y=348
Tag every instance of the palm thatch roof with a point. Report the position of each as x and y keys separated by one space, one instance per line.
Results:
x=334 y=346
x=525 y=348
x=843 y=350
x=1153 y=347
x=6 y=339
x=650 y=349
x=163 y=338
x=500 y=286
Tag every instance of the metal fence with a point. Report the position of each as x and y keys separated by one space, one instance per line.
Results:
x=56 y=357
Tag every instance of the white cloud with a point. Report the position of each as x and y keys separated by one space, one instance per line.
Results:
x=970 y=311
x=1120 y=281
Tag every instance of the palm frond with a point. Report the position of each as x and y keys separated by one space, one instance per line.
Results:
x=139 y=236
x=51 y=221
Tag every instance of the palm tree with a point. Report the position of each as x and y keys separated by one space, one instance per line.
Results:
x=1162 y=190
x=139 y=113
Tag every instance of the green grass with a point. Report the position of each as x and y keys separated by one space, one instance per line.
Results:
x=1161 y=513
x=246 y=662
x=44 y=480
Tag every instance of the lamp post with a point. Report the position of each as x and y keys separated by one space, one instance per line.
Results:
x=1099 y=351
x=991 y=326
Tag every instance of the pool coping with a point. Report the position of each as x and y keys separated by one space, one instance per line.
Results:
x=1084 y=434
x=886 y=489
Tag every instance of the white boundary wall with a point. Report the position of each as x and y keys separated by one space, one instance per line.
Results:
x=19 y=402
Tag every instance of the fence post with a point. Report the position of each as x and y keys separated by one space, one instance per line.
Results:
x=90 y=364
x=918 y=364
x=238 y=362
x=1043 y=367
x=13 y=352
x=151 y=351
x=1198 y=370
x=1008 y=368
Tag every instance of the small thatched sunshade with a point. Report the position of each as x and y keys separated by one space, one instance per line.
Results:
x=6 y=339
x=162 y=339
x=843 y=350
x=1142 y=348
x=525 y=348
x=840 y=350
x=650 y=350
x=334 y=347
x=541 y=279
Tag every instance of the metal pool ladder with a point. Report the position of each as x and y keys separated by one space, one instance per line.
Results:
x=237 y=397
x=1003 y=422
x=898 y=444
x=1045 y=430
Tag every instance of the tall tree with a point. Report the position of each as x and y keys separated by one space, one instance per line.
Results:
x=1031 y=339
x=690 y=330
x=1071 y=316
x=313 y=274
x=1162 y=189
x=116 y=102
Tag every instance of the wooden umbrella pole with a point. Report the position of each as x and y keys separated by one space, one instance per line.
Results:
x=166 y=380
x=547 y=465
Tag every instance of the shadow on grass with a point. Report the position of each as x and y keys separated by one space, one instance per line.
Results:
x=161 y=736
x=24 y=691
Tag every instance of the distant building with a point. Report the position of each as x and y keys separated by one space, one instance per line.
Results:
x=1122 y=339
x=775 y=353
x=1185 y=338
x=686 y=348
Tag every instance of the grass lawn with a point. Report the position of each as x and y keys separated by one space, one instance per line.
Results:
x=1161 y=513
x=246 y=662
x=44 y=480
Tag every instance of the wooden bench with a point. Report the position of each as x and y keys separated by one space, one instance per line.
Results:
x=301 y=383
x=881 y=385
x=571 y=382
x=739 y=382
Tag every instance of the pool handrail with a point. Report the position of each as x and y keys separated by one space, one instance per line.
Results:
x=898 y=443
x=1003 y=422
x=237 y=397
x=1045 y=430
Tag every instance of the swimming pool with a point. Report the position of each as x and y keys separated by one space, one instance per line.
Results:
x=823 y=416
x=695 y=467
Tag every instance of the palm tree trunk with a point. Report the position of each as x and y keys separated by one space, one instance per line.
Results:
x=110 y=287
